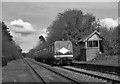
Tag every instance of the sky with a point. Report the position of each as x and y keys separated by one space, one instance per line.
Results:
x=28 y=20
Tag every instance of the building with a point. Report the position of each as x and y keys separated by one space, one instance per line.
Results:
x=90 y=46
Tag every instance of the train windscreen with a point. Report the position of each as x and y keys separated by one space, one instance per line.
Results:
x=63 y=47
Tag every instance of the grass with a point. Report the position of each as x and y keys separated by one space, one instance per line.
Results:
x=113 y=60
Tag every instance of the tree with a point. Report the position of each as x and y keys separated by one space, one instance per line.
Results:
x=71 y=24
x=6 y=31
x=111 y=40
x=9 y=48
x=118 y=38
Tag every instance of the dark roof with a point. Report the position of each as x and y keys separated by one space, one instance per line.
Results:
x=86 y=37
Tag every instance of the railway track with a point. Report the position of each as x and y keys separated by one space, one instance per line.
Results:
x=35 y=72
x=70 y=80
x=103 y=76
x=77 y=79
x=62 y=73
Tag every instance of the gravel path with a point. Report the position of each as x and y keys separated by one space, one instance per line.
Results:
x=17 y=71
x=115 y=77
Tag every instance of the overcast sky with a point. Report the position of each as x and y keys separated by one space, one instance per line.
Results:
x=28 y=20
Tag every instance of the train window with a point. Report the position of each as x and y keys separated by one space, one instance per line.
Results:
x=48 y=49
x=51 y=48
x=44 y=49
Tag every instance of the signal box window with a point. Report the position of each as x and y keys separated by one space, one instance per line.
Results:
x=89 y=43
x=95 y=43
x=92 y=43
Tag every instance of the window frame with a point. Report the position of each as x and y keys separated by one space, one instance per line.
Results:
x=91 y=45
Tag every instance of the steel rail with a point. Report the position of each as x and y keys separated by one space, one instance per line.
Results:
x=93 y=75
x=42 y=80
x=113 y=70
x=74 y=81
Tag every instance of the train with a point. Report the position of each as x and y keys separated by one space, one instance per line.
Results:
x=57 y=53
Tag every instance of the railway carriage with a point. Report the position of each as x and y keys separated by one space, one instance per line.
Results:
x=59 y=52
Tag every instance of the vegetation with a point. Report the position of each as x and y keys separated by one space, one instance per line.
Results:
x=111 y=40
x=9 y=48
x=73 y=25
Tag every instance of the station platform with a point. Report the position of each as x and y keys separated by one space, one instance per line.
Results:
x=17 y=71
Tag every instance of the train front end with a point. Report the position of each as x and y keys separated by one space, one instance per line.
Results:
x=63 y=52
